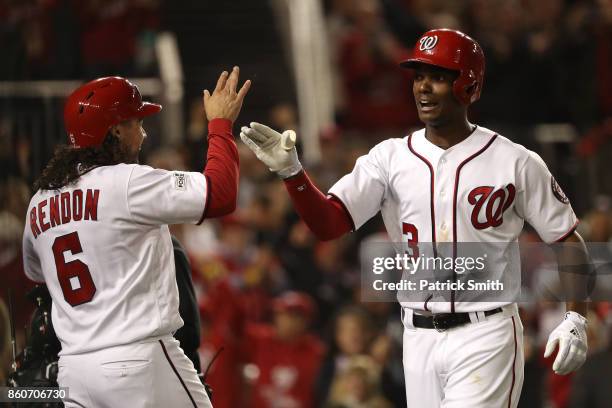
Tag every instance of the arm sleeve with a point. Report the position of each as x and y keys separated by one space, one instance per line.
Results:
x=31 y=263
x=542 y=203
x=221 y=172
x=325 y=216
x=363 y=190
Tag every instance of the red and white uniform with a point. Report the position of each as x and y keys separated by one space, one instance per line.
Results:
x=103 y=248
x=480 y=190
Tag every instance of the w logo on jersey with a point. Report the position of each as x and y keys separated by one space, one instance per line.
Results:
x=495 y=203
x=428 y=42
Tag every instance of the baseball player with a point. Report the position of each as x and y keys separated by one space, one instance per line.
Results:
x=97 y=234
x=452 y=181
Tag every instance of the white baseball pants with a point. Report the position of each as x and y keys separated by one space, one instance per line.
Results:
x=477 y=365
x=152 y=373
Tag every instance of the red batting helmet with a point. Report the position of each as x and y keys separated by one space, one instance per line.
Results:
x=93 y=108
x=456 y=51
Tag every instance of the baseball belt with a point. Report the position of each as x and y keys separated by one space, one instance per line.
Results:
x=444 y=321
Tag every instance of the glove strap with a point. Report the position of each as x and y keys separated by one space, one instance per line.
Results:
x=290 y=171
x=576 y=318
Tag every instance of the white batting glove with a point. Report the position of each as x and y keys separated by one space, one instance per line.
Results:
x=572 y=339
x=275 y=150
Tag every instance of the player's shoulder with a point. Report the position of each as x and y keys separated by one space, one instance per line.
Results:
x=515 y=152
x=111 y=179
x=110 y=173
x=389 y=147
x=507 y=146
x=37 y=196
x=121 y=171
x=385 y=153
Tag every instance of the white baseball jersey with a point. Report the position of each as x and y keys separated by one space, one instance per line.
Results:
x=103 y=248
x=479 y=190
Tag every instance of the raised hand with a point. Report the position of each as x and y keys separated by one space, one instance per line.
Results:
x=275 y=150
x=225 y=102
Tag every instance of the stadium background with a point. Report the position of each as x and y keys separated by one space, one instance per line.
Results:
x=327 y=69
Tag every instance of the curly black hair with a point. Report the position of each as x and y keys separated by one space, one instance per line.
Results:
x=69 y=163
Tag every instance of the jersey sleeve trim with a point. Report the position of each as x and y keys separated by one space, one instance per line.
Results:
x=208 y=191
x=568 y=233
x=348 y=214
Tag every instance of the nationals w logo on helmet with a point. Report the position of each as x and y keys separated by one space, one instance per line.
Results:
x=428 y=42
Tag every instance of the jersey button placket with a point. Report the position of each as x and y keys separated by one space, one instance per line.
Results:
x=442 y=204
x=443 y=232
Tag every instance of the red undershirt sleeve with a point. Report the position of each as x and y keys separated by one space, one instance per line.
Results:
x=221 y=171
x=326 y=216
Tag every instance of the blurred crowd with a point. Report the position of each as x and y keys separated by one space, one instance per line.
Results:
x=547 y=61
x=67 y=39
x=286 y=308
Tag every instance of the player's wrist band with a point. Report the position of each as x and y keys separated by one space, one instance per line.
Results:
x=575 y=317
x=290 y=171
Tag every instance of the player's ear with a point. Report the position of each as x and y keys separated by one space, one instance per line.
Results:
x=115 y=130
x=471 y=89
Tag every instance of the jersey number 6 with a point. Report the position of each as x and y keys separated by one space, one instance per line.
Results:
x=74 y=273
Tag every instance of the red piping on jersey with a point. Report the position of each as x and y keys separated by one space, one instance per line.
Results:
x=432 y=210
x=427 y=301
x=431 y=195
x=513 y=363
x=568 y=233
x=457 y=174
x=177 y=374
